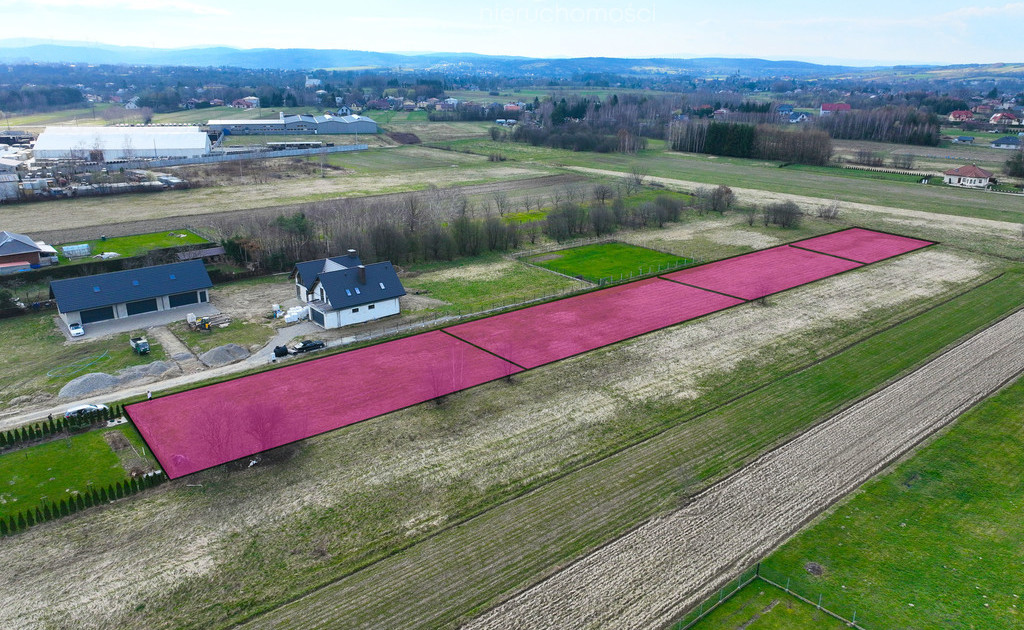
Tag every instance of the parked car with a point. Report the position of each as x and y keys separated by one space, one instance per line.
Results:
x=309 y=345
x=82 y=410
x=76 y=330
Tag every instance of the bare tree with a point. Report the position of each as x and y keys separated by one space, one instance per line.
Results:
x=603 y=193
x=829 y=212
x=501 y=203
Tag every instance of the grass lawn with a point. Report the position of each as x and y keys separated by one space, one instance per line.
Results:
x=34 y=347
x=936 y=542
x=607 y=260
x=855 y=173
x=484 y=282
x=135 y=245
x=49 y=472
x=761 y=606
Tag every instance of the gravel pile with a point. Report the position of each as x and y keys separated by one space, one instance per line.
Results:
x=93 y=382
x=223 y=355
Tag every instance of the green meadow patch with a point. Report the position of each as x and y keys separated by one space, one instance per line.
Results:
x=136 y=245
x=607 y=260
x=46 y=473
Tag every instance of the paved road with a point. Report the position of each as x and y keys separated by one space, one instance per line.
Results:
x=648 y=577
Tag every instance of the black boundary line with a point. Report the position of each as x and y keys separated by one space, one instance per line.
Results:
x=493 y=354
x=814 y=251
x=442 y=330
x=693 y=286
x=715 y=408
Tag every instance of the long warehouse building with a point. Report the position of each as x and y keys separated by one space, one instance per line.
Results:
x=106 y=144
x=296 y=124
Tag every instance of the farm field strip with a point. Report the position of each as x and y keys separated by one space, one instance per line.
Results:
x=556 y=330
x=200 y=428
x=671 y=563
x=463 y=570
x=755 y=275
x=864 y=246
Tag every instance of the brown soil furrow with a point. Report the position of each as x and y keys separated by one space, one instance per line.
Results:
x=651 y=575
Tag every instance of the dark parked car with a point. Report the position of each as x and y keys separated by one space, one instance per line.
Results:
x=309 y=345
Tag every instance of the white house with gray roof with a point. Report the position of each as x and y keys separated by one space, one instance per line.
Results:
x=342 y=291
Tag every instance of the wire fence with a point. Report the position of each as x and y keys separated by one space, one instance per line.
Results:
x=835 y=606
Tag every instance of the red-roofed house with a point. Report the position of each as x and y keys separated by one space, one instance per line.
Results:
x=1004 y=118
x=961 y=115
x=832 y=108
x=969 y=176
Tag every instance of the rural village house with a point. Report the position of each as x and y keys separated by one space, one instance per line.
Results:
x=342 y=290
x=1006 y=142
x=20 y=253
x=969 y=176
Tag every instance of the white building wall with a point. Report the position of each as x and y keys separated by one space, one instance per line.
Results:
x=368 y=312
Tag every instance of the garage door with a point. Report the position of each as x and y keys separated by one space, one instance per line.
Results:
x=182 y=299
x=97 y=314
x=142 y=306
x=317 y=316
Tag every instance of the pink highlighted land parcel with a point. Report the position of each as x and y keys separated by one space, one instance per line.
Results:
x=762 y=273
x=556 y=330
x=204 y=427
x=201 y=428
x=862 y=245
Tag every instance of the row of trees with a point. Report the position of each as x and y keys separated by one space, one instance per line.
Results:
x=438 y=224
x=53 y=427
x=77 y=502
x=902 y=125
x=769 y=142
x=39 y=97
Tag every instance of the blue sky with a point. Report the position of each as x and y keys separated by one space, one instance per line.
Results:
x=861 y=33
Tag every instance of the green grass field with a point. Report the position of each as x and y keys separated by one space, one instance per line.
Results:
x=607 y=260
x=34 y=347
x=761 y=606
x=46 y=473
x=470 y=286
x=934 y=543
x=134 y=245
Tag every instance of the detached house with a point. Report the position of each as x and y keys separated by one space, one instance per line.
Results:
x=828 y=109
x=342 y=290
x=961 y=115
x=969 y=176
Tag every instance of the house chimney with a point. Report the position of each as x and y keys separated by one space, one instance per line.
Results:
x=362 y=274
x=352 y=253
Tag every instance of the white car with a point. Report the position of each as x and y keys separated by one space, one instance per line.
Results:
x=81 y=410
x=76 y=330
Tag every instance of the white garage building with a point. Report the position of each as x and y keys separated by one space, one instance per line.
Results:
x=106 y=144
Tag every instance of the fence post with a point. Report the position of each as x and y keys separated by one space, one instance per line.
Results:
x=819 y=600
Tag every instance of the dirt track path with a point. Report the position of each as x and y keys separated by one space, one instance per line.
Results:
x=651 y=575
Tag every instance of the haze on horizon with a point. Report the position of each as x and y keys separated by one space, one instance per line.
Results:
x=870 y=32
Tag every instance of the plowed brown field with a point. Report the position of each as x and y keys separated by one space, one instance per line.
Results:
x=649 y=576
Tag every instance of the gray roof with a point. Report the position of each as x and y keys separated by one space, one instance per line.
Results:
x=344 y=290
x=1007 y=140
x=11 y=243
x=308 y=271
x=76 y=294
